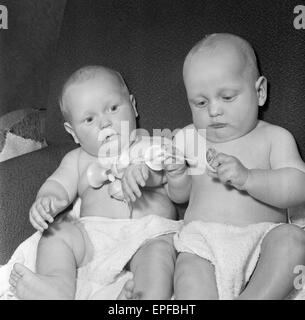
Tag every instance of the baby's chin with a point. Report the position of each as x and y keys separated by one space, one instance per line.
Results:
x=111 y=149
x=103 y=151
x=222 y=138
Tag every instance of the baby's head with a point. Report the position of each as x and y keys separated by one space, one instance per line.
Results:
x=223 y=86
x=99 y=111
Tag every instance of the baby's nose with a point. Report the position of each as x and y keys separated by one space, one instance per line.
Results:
x=214 y=109
x=104 y=123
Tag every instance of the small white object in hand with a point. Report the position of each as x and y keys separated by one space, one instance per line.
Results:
x=210 y=156
x=154 y=157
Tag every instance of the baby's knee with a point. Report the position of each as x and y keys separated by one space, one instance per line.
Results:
x=290 y=237
x=161 y=247
x=297 y=239
x=157 y=252
x=184 y=263
x=185 y=283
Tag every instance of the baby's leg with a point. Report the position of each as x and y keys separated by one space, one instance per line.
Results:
x=153 y=269
x=282 y=249
x=194 y=278
x=60 y=249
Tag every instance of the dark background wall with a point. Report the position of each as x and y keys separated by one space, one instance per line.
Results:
x=27 y=49
x=148 y=40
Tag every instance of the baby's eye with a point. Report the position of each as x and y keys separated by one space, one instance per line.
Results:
x=202 y=104
x=228 y=98
x=88 y=120
x=113 y=108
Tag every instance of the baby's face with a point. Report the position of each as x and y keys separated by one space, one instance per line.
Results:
x=221 y=94
x=102 y=116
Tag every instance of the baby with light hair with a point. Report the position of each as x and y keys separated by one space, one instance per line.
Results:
x=111 y=235
x=235 y=242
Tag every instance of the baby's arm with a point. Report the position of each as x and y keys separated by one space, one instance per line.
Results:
x=56 y=193
x=283 y=186
x=177 y=176
x=141 y=175
x=172 y=170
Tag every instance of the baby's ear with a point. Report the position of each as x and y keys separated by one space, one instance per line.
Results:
x=69 y=129
x=133 y=102
x=261 y=89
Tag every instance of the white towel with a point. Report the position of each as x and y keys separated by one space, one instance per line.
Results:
x=89 y=287
x=233 y=251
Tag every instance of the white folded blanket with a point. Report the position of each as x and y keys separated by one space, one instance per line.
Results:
x=26 y=254
x=115 y=242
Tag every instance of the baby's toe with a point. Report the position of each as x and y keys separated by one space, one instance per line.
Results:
x=19 y=269
x=12 y=281
x=13 y=290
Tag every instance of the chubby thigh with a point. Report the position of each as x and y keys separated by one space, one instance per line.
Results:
x=153 y=268
x=194 y=278
x=61 y=249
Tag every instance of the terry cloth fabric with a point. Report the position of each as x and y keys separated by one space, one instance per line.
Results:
x=232 y=250
x=88 y=285
x=114 y=242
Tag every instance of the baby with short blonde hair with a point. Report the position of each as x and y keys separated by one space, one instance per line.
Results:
x=235 y=242
x=111 y=234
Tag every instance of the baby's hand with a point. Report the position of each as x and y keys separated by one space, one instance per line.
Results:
x=229 y=170
x=44 y=209
x=175 y=163
x=134 y=175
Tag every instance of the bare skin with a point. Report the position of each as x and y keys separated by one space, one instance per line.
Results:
x=65 y=246
x=258 y=173
x=96 y=107
x=282 y=248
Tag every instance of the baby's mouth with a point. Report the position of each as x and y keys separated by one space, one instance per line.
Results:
x=107 y=135
x=218 y=125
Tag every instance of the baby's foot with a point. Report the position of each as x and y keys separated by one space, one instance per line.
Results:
x=27 y=285
x=127 y=292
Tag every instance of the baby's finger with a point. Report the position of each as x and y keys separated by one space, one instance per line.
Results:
x=220 y=159
x=45 y=214
x=129 y=196
x=42 y=213
x=225 y=175
x=12 y=281
x=48 y=218
x=133 y=184
x=210 y=173
x=45 y=202
x=125 y=194
x=13 y=290
x=138 y=176
x=145 y=172
x=36 y=225
x=40 y=221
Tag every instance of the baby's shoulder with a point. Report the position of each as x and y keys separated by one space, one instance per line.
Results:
x=273 y=132
x=72 y=155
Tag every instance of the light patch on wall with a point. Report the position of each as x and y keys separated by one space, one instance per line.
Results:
x=3 y=17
